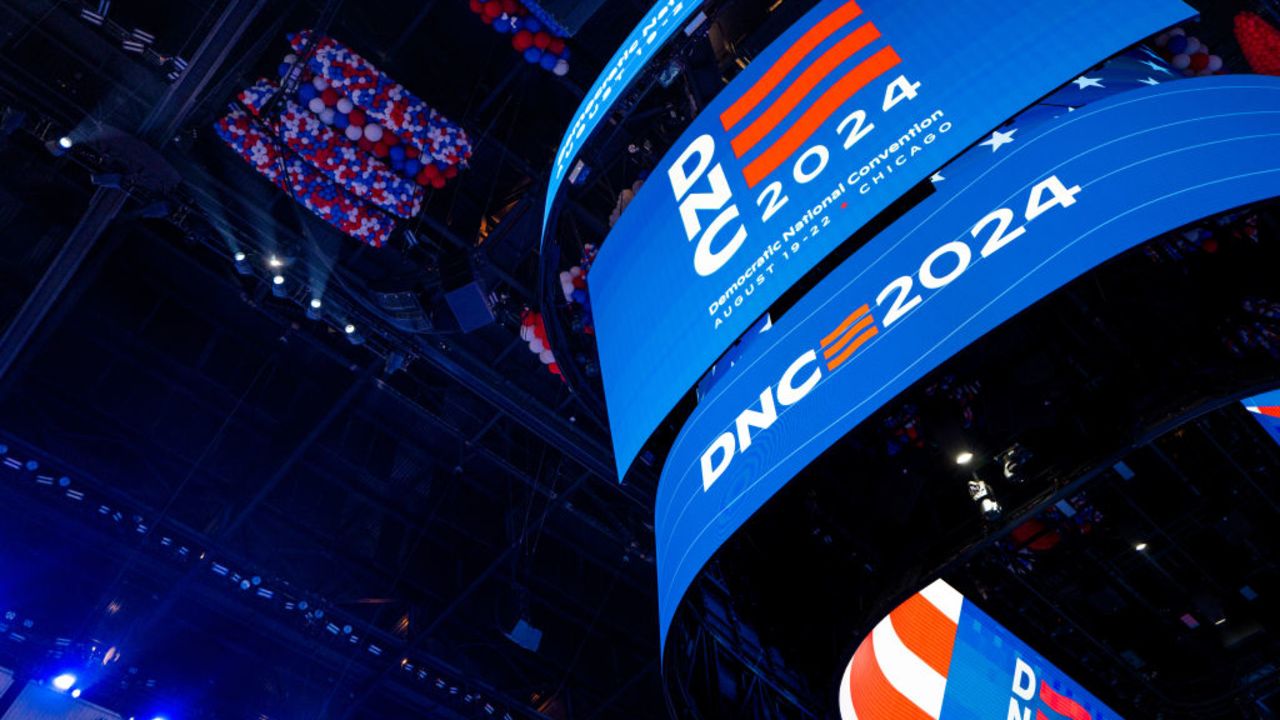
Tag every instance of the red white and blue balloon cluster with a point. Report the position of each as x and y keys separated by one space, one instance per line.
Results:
x=1186 y=53
x=573 y=283
x=315 y=191
x=532 y=38
x=534 y=332
x=353 y=146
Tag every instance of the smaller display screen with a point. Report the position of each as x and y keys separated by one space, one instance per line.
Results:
x=938 y=656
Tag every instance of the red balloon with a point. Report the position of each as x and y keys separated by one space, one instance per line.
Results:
x=432 y=171
x=357 y=117
x=556 y=46
x=522 y=40
x=423 y=179
x=554 y=368
x=451 y=171
x=477 y=6
x=1199 y=61
x=541 y=40
x=493 y=8
x=437 y=182
x=390 y=139
x=487 y=20
x=510 y=6
x=330 y=97
x=365 y=144
x=379 y=150
x=1210 y=246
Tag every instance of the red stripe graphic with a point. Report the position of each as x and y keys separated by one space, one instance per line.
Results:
x=875 y=697
x=845 y=325
x=926 y=632
x=825 y=28
x=853 y=347
x=851 y=45
x=821 y=111
x=1061 y=704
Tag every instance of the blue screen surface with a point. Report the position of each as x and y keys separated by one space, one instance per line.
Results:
x=849 y=109
x=1049 y=204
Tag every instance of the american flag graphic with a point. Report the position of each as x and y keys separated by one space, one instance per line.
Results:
x=899 y=672
x=790 y=83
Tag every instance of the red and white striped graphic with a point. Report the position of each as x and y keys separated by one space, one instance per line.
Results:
x=899 y=672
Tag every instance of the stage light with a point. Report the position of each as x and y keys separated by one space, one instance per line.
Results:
x=991 y=509
x=64 y=682
x=275 y=262
x=75 y=693
x=315 y=303
x=350 y=329
x=278 y=279
x=239 y=257
x=65 y=142
x=964 y=458
x=1140 y=547
x=313 y=311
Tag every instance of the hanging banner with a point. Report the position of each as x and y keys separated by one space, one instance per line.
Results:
x=849 y=109
x=938 y=657
x=1046 y=205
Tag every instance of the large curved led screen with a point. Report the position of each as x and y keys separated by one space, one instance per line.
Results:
x=1007 y=227
x=938 y=657
x=848 y=110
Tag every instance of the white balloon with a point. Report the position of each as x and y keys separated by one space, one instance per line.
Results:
x=354 y=133
x=373 y=132
x=546 y=357
x=536 y=346
x=290 y=59
x=345 y=105
x=1177 y=31
x=1182 y=61
x=1215 y=63
x=326 y=116
x=1162 y=40
x=1193 y=44
x=565 y=275
x=526 y=333
x=561 y=68
x=318 y=82
x=316 y=105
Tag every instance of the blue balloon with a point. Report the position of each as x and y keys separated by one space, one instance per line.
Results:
x=341 y=121
x=548 y=61
x=307 y=93
x=564 y=54
x=533 y=54
x=397 y=165
x=1177 y=44
x=283 y=69
x=580 y=296
x=412 y=166
x=531 y=24
x=397 y=153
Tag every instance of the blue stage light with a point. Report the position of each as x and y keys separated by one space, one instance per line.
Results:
x=64 y=682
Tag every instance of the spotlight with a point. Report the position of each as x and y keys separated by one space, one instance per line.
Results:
x=242 y=264
x=978 y=489
x=275 y=262
x=313 y=311
x=75 y=693
x=65 y=142
x=239 y=257
x=315 y=303
x=991 y=509
x=353 y=337
x=278 y=280
x=277 y=286
x=964 y=458
x=64 y=682
x=1140 y=547
x=350 y=329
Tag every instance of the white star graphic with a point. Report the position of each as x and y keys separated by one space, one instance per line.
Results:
x=1157 y=66
x=1150 y=81
x=937 y=178
x=1083 y=82
x=999 y=138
